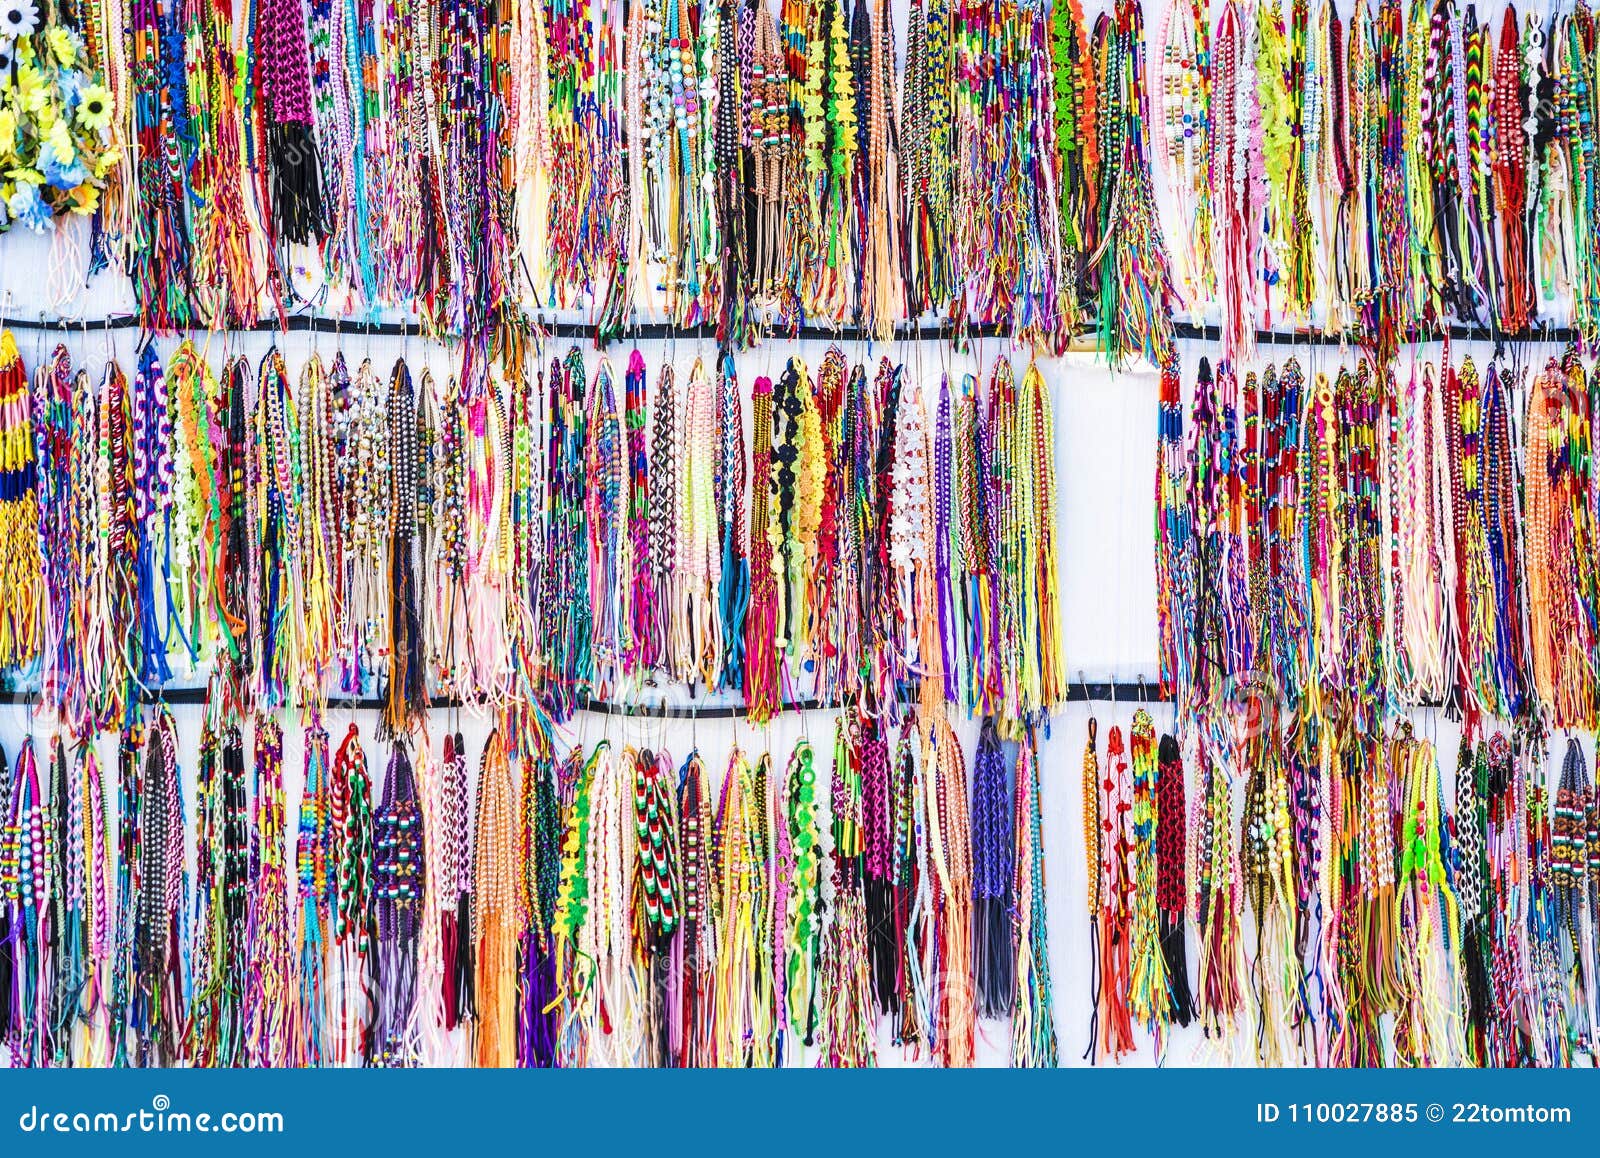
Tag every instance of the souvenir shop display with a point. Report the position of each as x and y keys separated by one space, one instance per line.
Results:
x=365 y=694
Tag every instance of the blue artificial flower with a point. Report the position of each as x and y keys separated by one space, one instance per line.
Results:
x=29 y=208
x=70 y=82
x=63 y=177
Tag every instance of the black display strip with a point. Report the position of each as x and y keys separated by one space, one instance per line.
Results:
x=1077 y=693
x=663 y=331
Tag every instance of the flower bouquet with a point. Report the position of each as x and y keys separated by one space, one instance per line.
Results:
x=56 y=142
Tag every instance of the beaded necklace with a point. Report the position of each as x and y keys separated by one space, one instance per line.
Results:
x=398 y=865
x=497 y=912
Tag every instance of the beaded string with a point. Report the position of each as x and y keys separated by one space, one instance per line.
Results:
x=497 y=909
x=992 y=882
x=539 y=844
x=658 y=896
x=1219 y=997
x=761 y=679
x=564 y=611
x=398 y=864
x=407 y=694
x=1429 y=1031
x=803 y=904
x=21 y=591
x=695 y=638
x=270 y=970
x=951 y=882
x=224 y=831
x=693 y=954
x=1148 y=984
x=604 y=520
x=733 y=593
x=643 y=619
x=1172 y=878
x=25 y=873
x=1033 y=1035
x=1113 y=1025
x=845 y=1034
x=453 y=866
x=352 y=995
x=316 y=884
x=744 y=979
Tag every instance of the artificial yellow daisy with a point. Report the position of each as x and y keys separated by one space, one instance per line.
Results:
x=59 y=140
x=62 y=46
x=94 y=108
